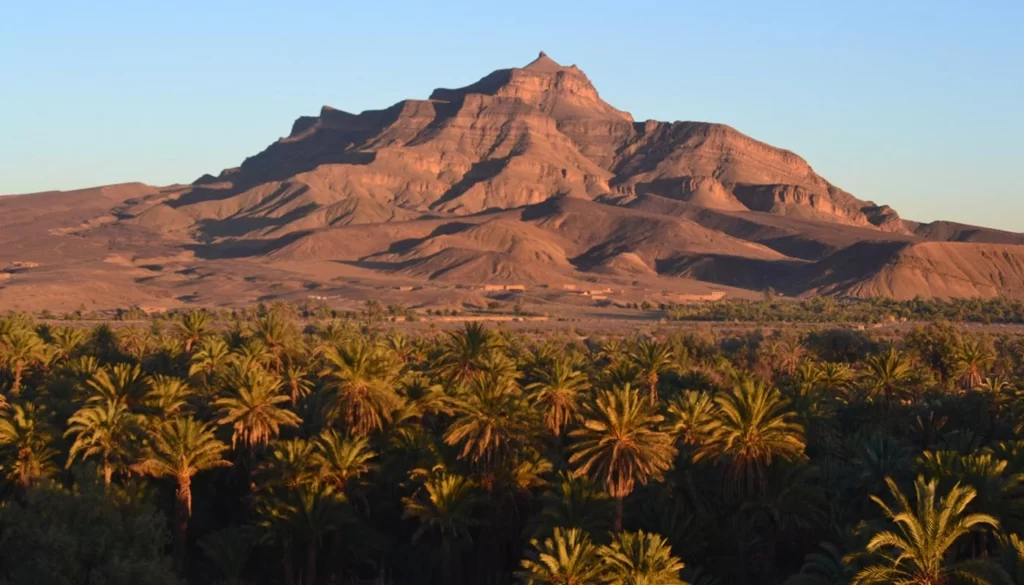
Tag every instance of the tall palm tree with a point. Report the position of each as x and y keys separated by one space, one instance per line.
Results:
x=557 y=392
x=620 y=445
x=835 y=377
x=361 y=378
x=465 y=351
x=277 y=332
x=825 y=566
x=692 y=417
x=105 y=429
x=574 y=502
x=192 y=328
x=179 y=449
x=490 y=420
x=916 y=552
x=887 y=374
x=213 y=357
x=65 y=342
x=229 y=550
x=639 y=558
x=118 y=383
x=26 y=452
x=20 y=350
x=167 y=395
x=972 y=358
x=254 y=409
x=445 y=505
x=753 y=427
x=302 y=516
x=290 y=464
x=343 y=459
x=652 y=359
x=567 y=557
x=296 y=382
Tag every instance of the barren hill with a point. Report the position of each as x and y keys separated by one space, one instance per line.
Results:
x=526 y=176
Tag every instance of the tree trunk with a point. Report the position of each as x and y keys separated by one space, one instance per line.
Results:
x=311 y=562
x=108 y=472
x=446 y=561
x=618 y=514
x=286 y=564
x=183 y=509
x=19 y=369
x=652 y=381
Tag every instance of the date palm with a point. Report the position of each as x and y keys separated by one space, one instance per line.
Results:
x=118 y=383
x=972 y=358
x=179 y=449
x=620 y=445
x=302 y=516
x=361 y=378
x=825 y=566
x=640 y=558
x=212 y=357
x=192 y=328
x=490 y=420
x=277 y=332
x=296 y=382
x=574 y=502
x=887 y=374
x=557 y=392
x=915 y=550
x=692 y=416
x=26 y=452
x=652 y=359
x=167 y=395
x=20 y=351
x=835 y=377
x=753 y=427
x=465 y=351
x=445 y=506
x=567 y=557
x=105 y=429
x=290 y=464
x=65 y=342
x=254 y=410
x=342 y=459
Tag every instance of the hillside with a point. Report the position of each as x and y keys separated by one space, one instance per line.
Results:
x=526 y=176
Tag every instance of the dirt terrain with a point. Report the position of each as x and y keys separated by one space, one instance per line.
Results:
x=526 y=180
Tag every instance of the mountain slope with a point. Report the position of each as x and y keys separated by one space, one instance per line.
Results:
x=526 y=176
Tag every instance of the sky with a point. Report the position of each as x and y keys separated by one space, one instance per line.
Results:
x=915 y=104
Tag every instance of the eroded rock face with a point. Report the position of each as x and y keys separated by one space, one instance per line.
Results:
x=516 y=137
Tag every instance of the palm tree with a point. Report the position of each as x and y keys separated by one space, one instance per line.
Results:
x=192 y=328
x=692 y=417
x=639 y=558
x=213 y=356
x=753 y=427
x=342 y=459
x=118 y=383
x=167 y=395
x=179 y=449
x=304 y=515
x=253 y=409
x=823 y=567
x=26 y=454
x=20 y=350
x=567 y=557
x=362 y=380
x=229 y=550
x=787 y=355
x=444 y=505
x=620 y=445
x=65 y=342
x=465 y=351
x=972 y=358
x=277 y=332
x=835 y=377
x=295 y=381
x=557 y=392
x=291 y=464
x=652 y=359
x=490 y=420
x=916 y=553
x=574 y=502
x=887 y=374
x=106 y=429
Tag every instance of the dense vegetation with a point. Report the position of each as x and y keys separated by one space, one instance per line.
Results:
x=266 y=449
x=832 y=310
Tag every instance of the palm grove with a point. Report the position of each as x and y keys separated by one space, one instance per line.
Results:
x=261 y=449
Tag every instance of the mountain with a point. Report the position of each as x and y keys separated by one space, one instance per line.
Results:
x=526 y=176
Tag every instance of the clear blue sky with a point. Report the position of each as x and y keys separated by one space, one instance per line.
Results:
x=918 y=104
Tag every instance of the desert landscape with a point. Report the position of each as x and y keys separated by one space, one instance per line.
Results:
x=524 y=185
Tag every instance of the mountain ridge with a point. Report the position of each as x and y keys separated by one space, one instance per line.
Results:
x=526 y=175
